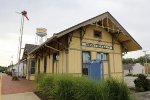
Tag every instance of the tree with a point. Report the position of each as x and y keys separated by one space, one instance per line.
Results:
x=128 y=61
x=140 y=60
x=2 y=69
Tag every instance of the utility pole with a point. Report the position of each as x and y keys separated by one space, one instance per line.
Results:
x=146 y=61
x=23 y=14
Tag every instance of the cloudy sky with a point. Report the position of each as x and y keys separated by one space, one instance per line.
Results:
x=57 y=15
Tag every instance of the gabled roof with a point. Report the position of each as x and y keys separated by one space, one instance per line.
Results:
x=124 y=38
x=28 y=48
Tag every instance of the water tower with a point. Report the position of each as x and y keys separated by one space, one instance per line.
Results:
x=41 y=35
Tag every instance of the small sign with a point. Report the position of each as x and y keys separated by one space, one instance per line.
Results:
x=96 y=45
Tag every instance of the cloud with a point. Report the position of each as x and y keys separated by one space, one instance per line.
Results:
x=57 y=15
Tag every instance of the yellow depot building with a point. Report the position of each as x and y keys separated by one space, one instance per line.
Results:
x=68 y=51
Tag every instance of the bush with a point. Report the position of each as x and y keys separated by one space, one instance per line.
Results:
x=65 y=87
x=129 y=74
x=45 y=84
x=142 y=83
x=116 y=90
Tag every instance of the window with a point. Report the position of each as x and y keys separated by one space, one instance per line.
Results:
x=85 y=57
x=97 y=34
x=32 y=66
x=105 y=56
x=45 y=63
x=38 y=65
x=56 y=56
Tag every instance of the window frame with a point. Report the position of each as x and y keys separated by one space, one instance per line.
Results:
x=85 y=70
x=45 y=64
x=39 y=62
x=33 y=67
x=107 y=55
x=98 y=36
x=56 y=56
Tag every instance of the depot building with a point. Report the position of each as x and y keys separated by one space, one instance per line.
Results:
x=68 y=51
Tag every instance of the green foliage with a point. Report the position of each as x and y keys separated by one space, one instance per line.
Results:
x=133 y=75
x=140 y=60
x=128 y=61
x=142 y=83
x=116 y=90
x=2 y=69
x=129 y=74
x=66 y=87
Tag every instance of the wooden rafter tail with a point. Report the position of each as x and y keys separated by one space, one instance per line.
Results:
x=107 y=24
x=52 y=48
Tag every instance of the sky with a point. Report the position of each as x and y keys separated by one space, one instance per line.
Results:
x=57 y=15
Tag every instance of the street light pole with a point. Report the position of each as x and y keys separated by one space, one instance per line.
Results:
x=146 y=61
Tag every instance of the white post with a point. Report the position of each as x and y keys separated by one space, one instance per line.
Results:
x=146 y=61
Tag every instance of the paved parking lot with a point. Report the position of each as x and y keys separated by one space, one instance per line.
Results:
x=129 y=80
x=141 y=95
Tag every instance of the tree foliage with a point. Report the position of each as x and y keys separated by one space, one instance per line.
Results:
x=2 y=69
x=140 y=60
x=128 y=61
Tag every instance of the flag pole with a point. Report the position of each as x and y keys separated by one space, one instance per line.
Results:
x=20 y=40
x=23 y=14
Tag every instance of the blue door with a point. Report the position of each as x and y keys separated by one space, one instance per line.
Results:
x=96 y=69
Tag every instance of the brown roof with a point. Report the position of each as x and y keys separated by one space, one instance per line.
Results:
x=28 y=48
x=125 y=38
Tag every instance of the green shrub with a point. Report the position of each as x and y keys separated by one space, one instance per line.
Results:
x=116 y=90
x=135 y=75
x=142 y=83
x=45 y=84
x=129 y=74
x=66 y=87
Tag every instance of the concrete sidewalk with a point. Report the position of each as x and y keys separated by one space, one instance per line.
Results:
x=143 y=95
x=20 y=96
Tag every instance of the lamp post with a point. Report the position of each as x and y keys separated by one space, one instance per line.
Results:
x=146 y=61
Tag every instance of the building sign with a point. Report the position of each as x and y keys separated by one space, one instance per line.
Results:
x=96 y=45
